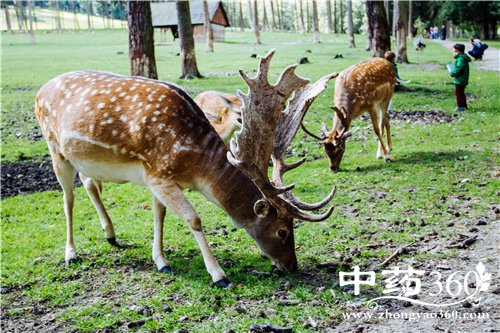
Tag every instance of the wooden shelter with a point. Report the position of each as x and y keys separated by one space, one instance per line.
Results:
x=164 y=15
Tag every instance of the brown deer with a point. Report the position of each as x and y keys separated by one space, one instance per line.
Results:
x=222 y=110
x=365 y=87
x=107 y=127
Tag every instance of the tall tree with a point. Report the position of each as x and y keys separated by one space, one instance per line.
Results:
x=350 y=29
x=188 y=55
x=88 y=9
x=387 y=11
x=7 y=17
x=335 y=17
x=410 y=19
x=209 y=32
x=255 y=24
x=273 y=20
x=31 y=14
x=329 y=16
x=301 y=13
x=378 y=28
x=401 y=30
x=265 y=21
x=315 y=22
x=141 y=43
x=242 y=28
x=341 y=9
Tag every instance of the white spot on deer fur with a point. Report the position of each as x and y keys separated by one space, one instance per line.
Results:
x=101 y=105
x=118 y=88
x=156 y=112
x=94 y=92
x=150 y=98
x=140 y=104
x=73 y=86
x=113 y=99
x=61 y=103
x=161 y=126
x=123 y=118
x=86 y=91
x=86 y=109
x=133 y=87
x=161 y=97
x=91 y=128
x=148 y=106
x=122 y=94
x=114 y=132
x=144 y=119
x=136 y=96
x=154 y=119
x=123 y=150
x=118 y=108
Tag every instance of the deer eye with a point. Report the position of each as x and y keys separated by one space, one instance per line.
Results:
x=282 y=233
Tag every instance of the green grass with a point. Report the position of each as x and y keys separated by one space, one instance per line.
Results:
x=402 y=201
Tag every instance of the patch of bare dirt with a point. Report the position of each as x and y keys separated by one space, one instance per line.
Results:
x=27 y=177
x=418 y=117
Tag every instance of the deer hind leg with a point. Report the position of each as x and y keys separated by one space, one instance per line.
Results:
x=159 y=211
x=381 y=151
x=171 y=196
x=386 y=128
x=65 y=173
x=94 y=190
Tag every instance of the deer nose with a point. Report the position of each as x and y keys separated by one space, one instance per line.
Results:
x=334 y=168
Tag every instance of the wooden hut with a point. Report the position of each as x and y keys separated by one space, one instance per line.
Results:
x=164 y=15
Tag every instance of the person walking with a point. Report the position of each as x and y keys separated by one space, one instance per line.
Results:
x=460 y=74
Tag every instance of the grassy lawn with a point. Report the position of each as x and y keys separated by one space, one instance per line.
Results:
x=442 y=172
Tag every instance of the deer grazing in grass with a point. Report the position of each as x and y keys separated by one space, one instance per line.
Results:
x=222 y=110
x=107 y=127
x=365 y=87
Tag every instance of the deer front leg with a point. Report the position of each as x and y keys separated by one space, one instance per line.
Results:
x=171 y=196
x=161 y=262
x=65 y=174
x=94 y=190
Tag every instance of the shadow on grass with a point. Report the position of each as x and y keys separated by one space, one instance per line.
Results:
x=423 y=158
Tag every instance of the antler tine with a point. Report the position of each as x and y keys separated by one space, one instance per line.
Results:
x=312 y=134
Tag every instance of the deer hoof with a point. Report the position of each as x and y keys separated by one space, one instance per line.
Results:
x=73 y=261
x=166 y=269
x=224 y=283
x=387 y=160
x=113 y=241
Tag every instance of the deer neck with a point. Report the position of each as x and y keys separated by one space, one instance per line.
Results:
x=228 y=187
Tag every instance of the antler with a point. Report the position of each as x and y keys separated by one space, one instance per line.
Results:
x=267 y=131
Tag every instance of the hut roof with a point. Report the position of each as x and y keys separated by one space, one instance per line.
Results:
x=164 y=14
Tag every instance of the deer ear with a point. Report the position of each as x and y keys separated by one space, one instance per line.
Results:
x=261 y=208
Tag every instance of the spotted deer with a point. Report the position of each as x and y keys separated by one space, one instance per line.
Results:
x=222 y=110
x=107 y=127
x=365 y=87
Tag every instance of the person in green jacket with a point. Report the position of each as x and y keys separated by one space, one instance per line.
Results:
x=460 y=75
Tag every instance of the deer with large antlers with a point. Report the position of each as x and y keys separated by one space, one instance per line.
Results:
x=107 y=127
x=365 y=87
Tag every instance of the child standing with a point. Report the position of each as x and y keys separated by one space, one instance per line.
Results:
x=460 y=74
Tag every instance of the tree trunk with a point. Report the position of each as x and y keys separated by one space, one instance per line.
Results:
x=342 y=30
x=401 y=31
x=350 y=28
x=335 y=17
x=141 y=42
x=88 y=9
x=256 y=23
x=378 y=28
x=30 y=14
x=410 y=19
x=188 y=55
x=280 y=17
x=209 y=32
x=308 y=17
x=7 y=19
x=395 y=17
x=301 y=10
x=387 y=11
x=265 y=21
x=242 y=25
x=329 y=16
x=273 y=20
x=315 y=22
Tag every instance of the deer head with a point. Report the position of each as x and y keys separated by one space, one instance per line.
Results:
x=222 y=110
